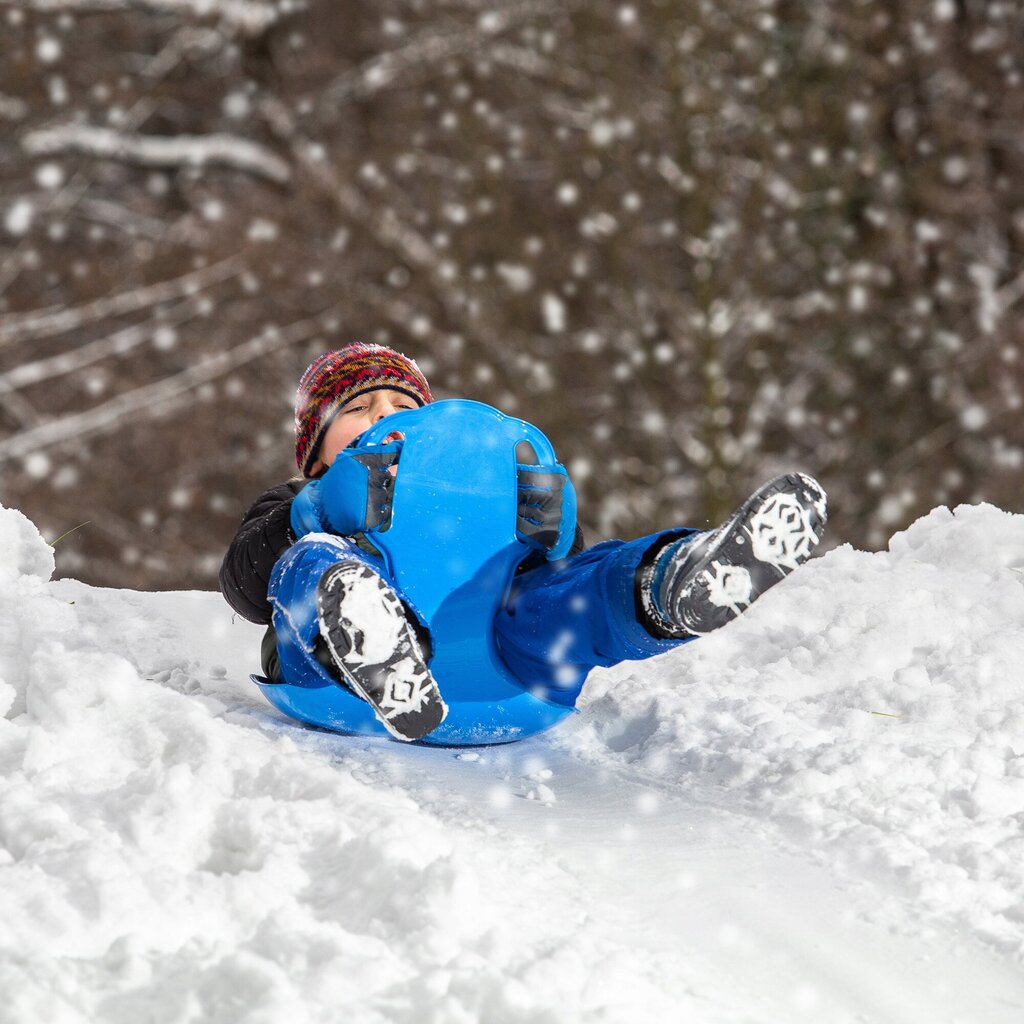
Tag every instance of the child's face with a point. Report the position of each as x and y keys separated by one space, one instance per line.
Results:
x=356 y=415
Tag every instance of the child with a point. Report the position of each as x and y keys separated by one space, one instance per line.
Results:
x=304 y=541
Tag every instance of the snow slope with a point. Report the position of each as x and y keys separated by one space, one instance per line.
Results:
x=815 y=814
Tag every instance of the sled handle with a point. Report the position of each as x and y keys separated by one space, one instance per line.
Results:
x=406 y=421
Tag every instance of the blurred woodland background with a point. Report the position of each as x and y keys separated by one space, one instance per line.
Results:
x=696 y=241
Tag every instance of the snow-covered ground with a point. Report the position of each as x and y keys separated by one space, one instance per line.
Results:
x=816 y=814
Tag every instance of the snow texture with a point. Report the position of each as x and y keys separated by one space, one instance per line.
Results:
x=173 y=849
x=874 y=702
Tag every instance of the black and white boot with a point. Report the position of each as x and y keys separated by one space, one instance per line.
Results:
x=375 y=648
x=703 y=584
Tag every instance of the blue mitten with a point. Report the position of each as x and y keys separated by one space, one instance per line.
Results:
x=355 y=493
x=546 y=512
x=353 y=496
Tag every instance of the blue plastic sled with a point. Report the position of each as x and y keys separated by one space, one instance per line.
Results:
x=452 y=548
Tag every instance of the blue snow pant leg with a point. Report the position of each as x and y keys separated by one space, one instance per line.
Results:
x=292 y=595
x=562 y=619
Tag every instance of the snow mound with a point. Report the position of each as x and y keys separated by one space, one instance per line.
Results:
x=173 y=850
x=26 y=564
x=23 y=552
x=170 y=850
x=874 y=702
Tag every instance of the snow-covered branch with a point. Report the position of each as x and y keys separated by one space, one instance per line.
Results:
x=249 y=17
x=432 y=47
x=160 y=396
x=157 y=68
x=384 y=70
x=529 y=62
x=73 y=361
x=187 y=40
x=158 y=150
x=57 y=319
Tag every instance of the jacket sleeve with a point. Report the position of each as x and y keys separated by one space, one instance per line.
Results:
x=264 y=535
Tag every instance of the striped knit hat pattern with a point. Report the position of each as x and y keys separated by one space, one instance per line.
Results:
x=335 y=378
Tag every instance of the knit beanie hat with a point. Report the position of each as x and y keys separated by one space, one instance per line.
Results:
x=335 y=378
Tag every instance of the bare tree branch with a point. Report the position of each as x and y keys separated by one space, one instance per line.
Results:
x=116 y=344
x=430 y=48
x=221 y=149
x=186 y=40
x=408 y=243
x=249 y=17
x=19 y=408
x=56 y=319
x=391 y=231
x=159 y=397
x=156 y=69
x=519 y=58
x=121 y=217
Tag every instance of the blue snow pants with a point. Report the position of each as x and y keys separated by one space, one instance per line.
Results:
x=561 y=619
x=564 y=618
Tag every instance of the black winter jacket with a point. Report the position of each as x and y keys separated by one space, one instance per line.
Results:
x=263 y=537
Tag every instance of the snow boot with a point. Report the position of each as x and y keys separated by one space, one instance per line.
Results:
x=376 y=649
x=698 y=585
